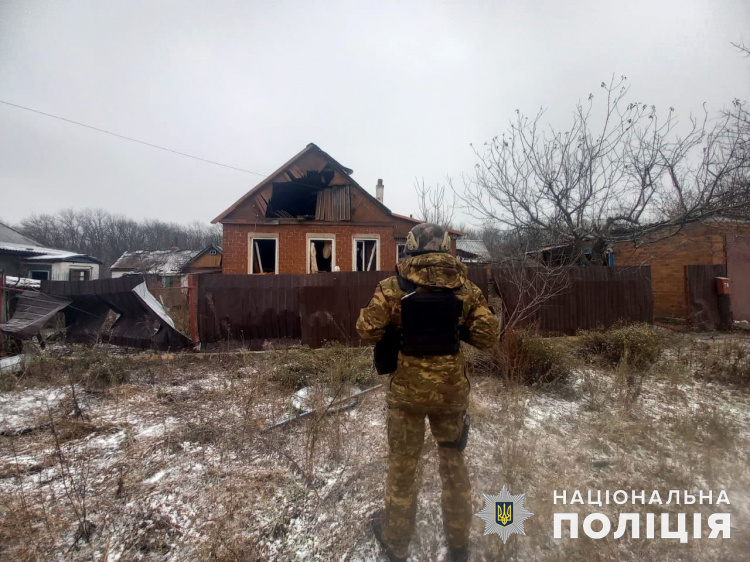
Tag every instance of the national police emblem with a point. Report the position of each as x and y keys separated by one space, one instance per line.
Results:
x=504 y=514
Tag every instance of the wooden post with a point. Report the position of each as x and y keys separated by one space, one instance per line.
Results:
x=193 y=305
x=2 y=308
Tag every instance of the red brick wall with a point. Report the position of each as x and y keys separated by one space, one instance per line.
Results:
x=293 y=245
x=696 y=244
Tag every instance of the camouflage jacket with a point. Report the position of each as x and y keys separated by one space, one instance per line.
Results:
x=437 y=383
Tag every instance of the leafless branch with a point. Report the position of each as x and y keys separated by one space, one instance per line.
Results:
x=620 y=171
x=435 y=204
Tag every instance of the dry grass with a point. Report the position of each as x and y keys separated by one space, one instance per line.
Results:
x=173 y=463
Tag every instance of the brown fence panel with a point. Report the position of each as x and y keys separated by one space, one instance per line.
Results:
x=738 y=265
x=248 y=307
x=312 y=308
x=703 y=300
x=315 y=309
x=583 y=297
x=329 y=312
x=480 y=276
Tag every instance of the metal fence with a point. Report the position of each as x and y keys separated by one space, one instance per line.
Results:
x=313 y=309
x=581 y=297
x=324 y=307
x=703 y=300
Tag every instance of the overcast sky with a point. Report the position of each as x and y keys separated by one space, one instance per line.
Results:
x=394 y=90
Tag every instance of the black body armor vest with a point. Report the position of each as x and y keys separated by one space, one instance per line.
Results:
x=429 y=321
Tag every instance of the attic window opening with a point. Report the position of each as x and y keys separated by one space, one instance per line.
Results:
x=290 y=200
x=212 y=252
x=264 y=256
x=309 y=197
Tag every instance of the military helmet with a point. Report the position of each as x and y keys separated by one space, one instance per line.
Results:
x=427 y=237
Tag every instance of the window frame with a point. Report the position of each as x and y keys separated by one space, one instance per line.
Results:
x=311 y=237
x=86 y=271
x=363 y=238
x=398 y=245
x=251 y=238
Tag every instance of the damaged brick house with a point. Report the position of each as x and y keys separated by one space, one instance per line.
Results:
x=310 y=216
x=714 y=241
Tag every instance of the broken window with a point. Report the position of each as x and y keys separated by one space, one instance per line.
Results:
x=400 y=252
x=366 y=254
x=80 y=274
x=263 y=255
x=321 y=255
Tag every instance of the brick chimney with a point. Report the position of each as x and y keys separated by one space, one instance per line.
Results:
x=379 y=191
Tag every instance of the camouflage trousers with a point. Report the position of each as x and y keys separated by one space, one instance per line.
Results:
x=405 y=439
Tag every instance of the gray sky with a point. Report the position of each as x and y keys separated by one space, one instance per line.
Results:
x=393 y=90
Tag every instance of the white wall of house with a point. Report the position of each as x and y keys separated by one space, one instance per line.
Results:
x=61 y=270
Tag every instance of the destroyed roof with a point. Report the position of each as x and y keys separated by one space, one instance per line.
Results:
x=156 y=262
x=311 y=147
x=474 y=247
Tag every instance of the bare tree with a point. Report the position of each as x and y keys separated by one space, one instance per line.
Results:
x=436 y=204
x=609 y=176
x=106 y=236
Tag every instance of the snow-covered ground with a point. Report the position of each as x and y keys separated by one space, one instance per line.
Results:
x=173 y=466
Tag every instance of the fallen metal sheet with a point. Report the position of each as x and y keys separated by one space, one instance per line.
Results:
x=11 y=364
x=33 y=310
x=84 y=323
x=142 y=320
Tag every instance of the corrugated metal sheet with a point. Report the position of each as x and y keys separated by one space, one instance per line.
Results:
x=588 y=297
x=738 y=268
x=142 y=322
x=313 y=309
x=33 y=310
x=475 y=247
x=12 y=236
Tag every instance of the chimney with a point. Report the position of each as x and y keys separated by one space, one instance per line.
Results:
x=379 y=191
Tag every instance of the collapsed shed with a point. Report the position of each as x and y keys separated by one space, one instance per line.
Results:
x=141 y=320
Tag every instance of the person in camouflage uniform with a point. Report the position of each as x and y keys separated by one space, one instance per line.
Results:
x=436 y=387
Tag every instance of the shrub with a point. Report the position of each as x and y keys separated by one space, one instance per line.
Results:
x=523 y=357
x=331 y=365
x=636 y=345
x=726 y=361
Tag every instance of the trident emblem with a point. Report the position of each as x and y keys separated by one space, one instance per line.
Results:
x=504 y=514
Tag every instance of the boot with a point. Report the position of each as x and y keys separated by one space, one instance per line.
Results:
x=376 y=523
